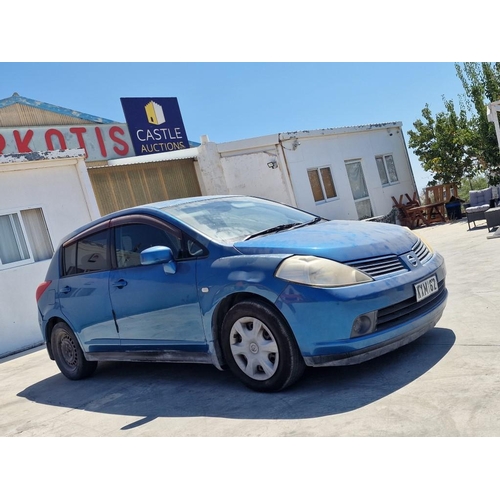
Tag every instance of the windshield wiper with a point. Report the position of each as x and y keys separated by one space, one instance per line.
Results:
x=282 y=227
x=275 y=229
x=310 y=223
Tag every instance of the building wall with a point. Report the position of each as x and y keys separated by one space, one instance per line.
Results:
x=241 y=167
x=247 y=167
x=333 y=150
x=59 y=186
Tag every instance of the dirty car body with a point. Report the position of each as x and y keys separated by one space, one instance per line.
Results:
x=240 y=282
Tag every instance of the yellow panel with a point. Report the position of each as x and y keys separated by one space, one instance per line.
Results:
x=130 y=185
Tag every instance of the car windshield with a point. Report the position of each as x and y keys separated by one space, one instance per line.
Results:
x=233 y=219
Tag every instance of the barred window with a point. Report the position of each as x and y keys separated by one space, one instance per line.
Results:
x=24 y=238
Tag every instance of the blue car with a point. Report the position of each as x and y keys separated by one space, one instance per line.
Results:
x=243 y=283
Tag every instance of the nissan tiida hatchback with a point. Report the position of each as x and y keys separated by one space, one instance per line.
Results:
x=243 y=283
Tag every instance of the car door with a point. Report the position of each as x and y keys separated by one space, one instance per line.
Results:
x=153 y=309
x=83 y=289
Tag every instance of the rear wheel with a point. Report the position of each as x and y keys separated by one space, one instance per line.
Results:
x=69 y=355
x=259 y=347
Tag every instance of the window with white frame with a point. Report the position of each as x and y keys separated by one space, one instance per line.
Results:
x=24 y=238
x=386 y=169
x=322 y=185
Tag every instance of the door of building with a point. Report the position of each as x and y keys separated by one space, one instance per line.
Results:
x=359 y=189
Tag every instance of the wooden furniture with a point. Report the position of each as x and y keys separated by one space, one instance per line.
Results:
x=435 y=212
x=412 y=214
x=442 y=194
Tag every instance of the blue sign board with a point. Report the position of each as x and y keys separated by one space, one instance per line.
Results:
x=155 y=124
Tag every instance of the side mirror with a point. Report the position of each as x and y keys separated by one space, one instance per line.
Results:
x=159 y=255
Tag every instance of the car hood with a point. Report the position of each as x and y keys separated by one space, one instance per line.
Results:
x=342 y=241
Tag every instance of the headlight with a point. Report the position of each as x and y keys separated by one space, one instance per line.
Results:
x=316 y=271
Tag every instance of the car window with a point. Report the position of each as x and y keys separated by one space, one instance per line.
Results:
x=132 y=239
x=90 y=254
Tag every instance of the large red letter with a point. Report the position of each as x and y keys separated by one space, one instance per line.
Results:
x=48 y=139
x=112 y=133
x=3 y=143
x=23 y=144
x=100 y=140
x=79 y=131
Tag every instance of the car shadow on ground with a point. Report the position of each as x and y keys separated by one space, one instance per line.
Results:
x=152 y=390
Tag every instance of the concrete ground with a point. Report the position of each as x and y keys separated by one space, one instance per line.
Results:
x=444 y=384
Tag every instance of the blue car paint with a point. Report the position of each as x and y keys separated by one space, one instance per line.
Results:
x=320 y=318
x=330 y=313
x=334 y=240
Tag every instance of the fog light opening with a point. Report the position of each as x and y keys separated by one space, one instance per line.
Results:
x=364 y=324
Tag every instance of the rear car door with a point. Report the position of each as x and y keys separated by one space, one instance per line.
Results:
x=83 y=291
x=153 y=309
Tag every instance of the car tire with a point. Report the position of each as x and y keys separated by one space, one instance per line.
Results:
x=68 y=354
x=259 y=348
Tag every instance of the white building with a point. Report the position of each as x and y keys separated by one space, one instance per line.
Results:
x=342 y=173
x=43 y=197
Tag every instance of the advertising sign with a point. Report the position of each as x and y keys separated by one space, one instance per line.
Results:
x=155 y=124
x=101 y=142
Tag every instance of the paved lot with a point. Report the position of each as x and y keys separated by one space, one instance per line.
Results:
x=444 y=384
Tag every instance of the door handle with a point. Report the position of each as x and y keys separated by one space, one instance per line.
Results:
x=65 y=289
x=120 y=283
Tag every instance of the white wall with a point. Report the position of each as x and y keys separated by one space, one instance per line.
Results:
x=333 y=149
x=241 y=167
x=59 y=188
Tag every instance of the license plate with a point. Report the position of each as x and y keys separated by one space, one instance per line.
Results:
x=426 y=288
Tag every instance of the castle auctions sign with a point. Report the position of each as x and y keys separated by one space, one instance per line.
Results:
x=101 y=142
x=155 y=124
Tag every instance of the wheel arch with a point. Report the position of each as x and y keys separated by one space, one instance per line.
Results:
x=48 y=333
x=223 y=307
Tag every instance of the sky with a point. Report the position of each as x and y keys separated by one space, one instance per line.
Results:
x=238 y=100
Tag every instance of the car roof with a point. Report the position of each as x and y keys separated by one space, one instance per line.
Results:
x=149 y=208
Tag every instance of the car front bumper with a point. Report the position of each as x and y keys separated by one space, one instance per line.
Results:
x=322 y=319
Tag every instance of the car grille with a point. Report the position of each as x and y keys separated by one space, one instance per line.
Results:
x=421 y=251
x=408 y=309
x=380 y=266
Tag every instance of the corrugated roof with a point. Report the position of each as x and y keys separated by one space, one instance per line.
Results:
x=182 y=154
x=340 y=130
x=17 y=99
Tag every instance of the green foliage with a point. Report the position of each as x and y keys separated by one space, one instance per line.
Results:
x=470 y=184
x=457 y=144
x=441 y=144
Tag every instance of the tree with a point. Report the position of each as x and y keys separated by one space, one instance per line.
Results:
x=457 y=144
x=442 y=144
x=481 y=83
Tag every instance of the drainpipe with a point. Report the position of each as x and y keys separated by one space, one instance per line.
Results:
x=88 y=191
x=409 y=162
x=288 y=179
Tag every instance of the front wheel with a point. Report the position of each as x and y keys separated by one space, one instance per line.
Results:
x=259 y=347
x=69 y=355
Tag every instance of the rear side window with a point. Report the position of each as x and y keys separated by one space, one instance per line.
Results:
x=90 y=254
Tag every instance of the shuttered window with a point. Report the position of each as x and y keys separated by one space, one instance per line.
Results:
x=127 y=186
x=321 y=182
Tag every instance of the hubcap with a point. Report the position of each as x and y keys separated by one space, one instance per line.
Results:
x=68 y=352
x=254 y=348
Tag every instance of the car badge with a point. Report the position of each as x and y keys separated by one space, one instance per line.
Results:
x=412 y=260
